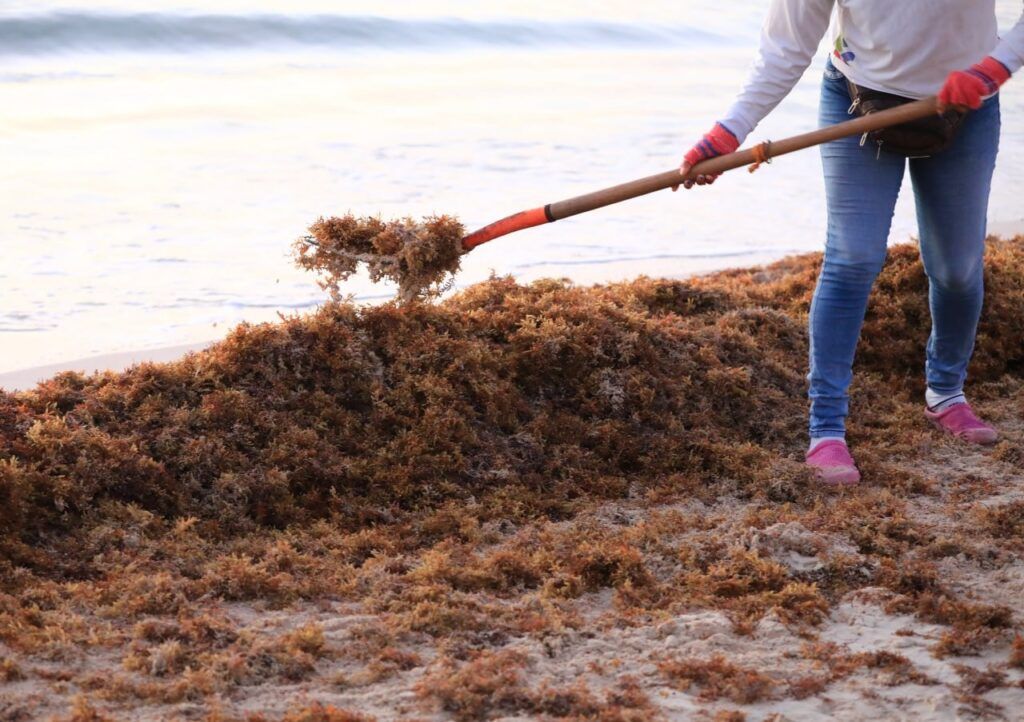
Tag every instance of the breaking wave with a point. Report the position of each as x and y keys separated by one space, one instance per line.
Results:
x=71 y=32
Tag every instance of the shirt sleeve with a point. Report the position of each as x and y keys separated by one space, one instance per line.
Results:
x=789 y=38
x=1010 y=51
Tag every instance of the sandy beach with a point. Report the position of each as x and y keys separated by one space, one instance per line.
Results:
x=1007 y=228
x=274 y=447
x=522 y=502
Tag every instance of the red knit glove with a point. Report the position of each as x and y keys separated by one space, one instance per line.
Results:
x=967 y=88
x=719 y=141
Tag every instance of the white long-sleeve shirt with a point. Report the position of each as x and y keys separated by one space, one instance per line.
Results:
x=906 y=47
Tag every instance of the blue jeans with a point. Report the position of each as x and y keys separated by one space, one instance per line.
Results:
x=951 y=192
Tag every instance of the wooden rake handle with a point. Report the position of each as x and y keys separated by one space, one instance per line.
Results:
x=642 y=186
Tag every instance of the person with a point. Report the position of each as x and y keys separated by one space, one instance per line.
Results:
x=913 y=49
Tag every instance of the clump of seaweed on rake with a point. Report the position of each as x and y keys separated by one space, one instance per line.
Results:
x=422 y=257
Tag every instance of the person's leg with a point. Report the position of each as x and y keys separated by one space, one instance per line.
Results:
x=951 y=190
x=861 y=187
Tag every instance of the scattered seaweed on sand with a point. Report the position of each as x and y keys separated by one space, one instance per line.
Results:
x=1017 y=652
x=418 y=256
x=717 y=677
x=492 y=685
x=366 y=501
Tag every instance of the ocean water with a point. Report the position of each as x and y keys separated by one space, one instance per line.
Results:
x=156 y=164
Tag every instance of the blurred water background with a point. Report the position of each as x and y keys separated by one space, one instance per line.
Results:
x=158 y=159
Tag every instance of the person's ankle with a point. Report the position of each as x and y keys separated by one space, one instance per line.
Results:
x=816 y=441
x=937 y=401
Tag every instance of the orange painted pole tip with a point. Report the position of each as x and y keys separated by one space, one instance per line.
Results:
x=511 y=224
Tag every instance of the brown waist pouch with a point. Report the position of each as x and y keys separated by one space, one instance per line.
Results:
x=916 y=139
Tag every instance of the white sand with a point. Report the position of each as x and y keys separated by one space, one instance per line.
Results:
x=1008 y=228
x=27 y=378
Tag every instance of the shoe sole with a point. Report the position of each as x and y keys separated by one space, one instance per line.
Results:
x=839 y=477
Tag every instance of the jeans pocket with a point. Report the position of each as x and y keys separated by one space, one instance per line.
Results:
x=831 y=73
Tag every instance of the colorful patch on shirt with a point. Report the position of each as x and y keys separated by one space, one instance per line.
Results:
x=841 y=50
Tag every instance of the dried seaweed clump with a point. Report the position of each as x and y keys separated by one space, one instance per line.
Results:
x=418 y=256
x=718 y=677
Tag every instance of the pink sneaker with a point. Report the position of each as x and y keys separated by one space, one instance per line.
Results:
x=833 y=464
x=960 y=421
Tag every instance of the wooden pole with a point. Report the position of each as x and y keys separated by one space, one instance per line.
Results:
x=642 y=186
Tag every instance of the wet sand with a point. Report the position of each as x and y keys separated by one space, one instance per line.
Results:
x=26 y=378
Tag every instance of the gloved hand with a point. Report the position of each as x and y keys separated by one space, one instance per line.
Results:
x=718 y=141
x=967 y=88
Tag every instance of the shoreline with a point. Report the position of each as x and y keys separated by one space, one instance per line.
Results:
x=23 y=379
x=26 y=378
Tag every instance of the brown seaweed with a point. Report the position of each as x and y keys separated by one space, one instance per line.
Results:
x=418 y=256
x=479 y=470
